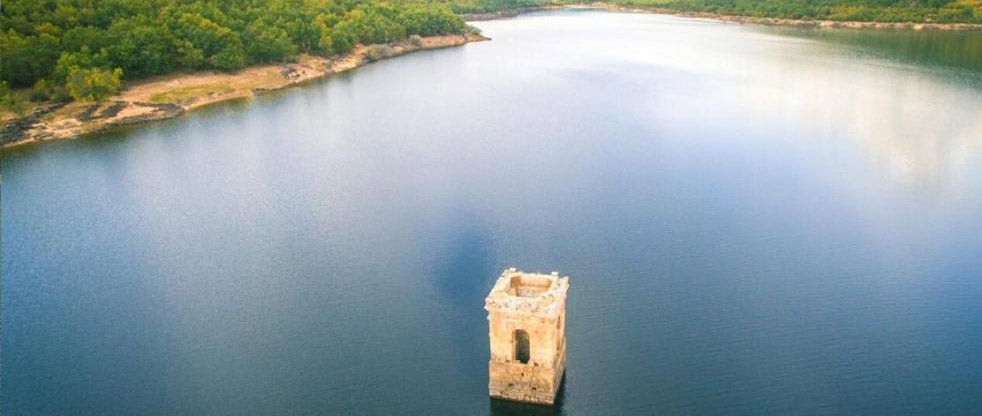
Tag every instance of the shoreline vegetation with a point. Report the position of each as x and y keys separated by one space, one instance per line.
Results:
x=735 y=18
x=877 y=14
x=69 y=72
x=170 y=96
x=800 y=23
x=58 y=55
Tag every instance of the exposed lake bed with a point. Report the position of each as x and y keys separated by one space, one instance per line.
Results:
x=755 y=221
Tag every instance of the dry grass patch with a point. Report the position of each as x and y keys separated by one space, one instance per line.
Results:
x=180 y=94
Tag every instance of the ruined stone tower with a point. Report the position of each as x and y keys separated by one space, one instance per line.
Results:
x=527 y=327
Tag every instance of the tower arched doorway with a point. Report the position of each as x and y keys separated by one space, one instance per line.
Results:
x=522 y=346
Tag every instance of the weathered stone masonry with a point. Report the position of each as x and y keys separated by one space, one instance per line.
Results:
x=527 y=329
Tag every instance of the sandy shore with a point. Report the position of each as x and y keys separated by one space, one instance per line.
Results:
x=169 y=96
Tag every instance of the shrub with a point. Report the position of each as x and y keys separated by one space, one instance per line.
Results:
x=9 y=101
x=94 y=84
x=42 y=90
x=377 y=52
x=416 y=40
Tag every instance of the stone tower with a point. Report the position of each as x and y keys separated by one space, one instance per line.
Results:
x=527 y=327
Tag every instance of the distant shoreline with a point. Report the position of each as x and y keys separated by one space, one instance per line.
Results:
x=172 y=95
x=770 y=21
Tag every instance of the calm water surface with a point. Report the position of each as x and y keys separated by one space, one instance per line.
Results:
x=755 y=221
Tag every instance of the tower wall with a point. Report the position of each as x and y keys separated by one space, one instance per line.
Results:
x=535 y=304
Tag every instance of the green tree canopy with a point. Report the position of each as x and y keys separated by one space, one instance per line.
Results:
x=46 y=39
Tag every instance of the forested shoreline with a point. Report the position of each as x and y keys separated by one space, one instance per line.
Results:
x=890 y=11
x=85 y=49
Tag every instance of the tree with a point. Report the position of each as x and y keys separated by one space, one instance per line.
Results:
x=428 y=20
x=81 y=59
x=142 y=47
x=230 y=58
x=344 y=36
x=46 y=39
x=27 y=59
x=372 y=26
x=264 y=43
x=90 y=37
x=326 y=43
x=188 y=56
x=203 y=33
x=93 y=84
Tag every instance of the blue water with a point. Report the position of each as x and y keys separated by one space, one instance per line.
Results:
x=754 y=221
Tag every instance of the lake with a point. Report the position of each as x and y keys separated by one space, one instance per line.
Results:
x=755 y=220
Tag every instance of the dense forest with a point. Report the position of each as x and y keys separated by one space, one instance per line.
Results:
x=84 y=49
x=941 y=11
x=946 y=11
